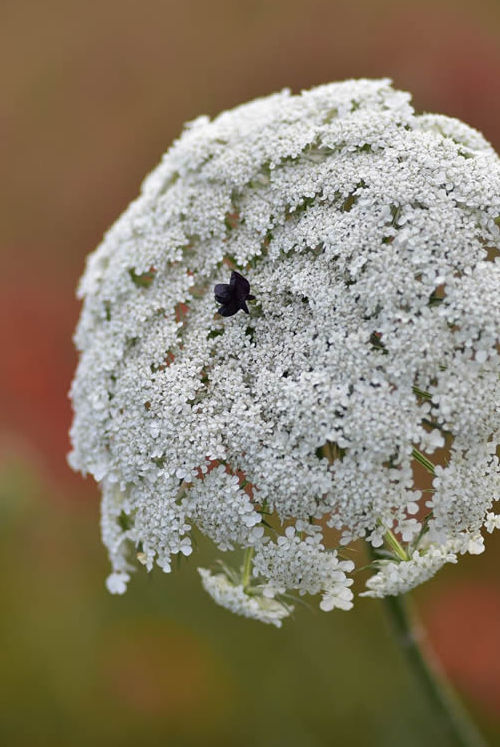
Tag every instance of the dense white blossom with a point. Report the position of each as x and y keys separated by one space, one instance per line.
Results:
x=230 y=518
x=249 y=602
x=305 y=565
x=395 y=578
x=369 y=235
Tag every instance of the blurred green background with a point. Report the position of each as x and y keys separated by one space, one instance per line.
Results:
x=92 y=94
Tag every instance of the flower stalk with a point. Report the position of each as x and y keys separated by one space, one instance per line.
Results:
x=449 y=713
x=247 y=567
x=421 y=459
x=393 y=543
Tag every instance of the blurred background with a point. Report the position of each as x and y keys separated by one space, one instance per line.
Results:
x=92 y=94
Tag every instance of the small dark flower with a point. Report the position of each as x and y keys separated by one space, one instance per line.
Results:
x=233 y=296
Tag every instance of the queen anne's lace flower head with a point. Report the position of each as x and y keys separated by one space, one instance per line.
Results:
x=369 y=237
x=246 y=601
x=397 y=578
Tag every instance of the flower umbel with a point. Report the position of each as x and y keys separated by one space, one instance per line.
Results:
x=246 y=602
x=371 y=234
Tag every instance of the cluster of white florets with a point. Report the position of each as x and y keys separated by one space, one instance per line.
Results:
x=369 y=236
x=249 y=602
x=396 y=578
x=306 y=566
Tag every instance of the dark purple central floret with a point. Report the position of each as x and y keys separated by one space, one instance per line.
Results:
x=233 y=296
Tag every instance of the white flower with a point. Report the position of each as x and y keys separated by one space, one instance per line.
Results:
x=492 y=522
x=305 y=565
x=369 y=235
x=235 y=598
x=116 y=583
x=228 y=516
x=397 y=578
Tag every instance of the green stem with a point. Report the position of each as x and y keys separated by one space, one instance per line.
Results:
x=419 y=457
x=450 y=714
x=391 y=540
x=247 y=567
x=420 y=393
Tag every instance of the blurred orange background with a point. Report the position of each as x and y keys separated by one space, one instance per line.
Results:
x=92 y=94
